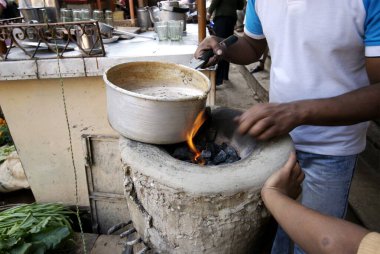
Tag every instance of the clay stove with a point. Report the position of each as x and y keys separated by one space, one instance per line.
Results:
x=179 y=207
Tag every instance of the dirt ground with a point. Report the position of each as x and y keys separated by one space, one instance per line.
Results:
x=235 y=92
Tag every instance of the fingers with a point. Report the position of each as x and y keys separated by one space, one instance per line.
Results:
x=211 y=42
x=291 y=163
x=251 y=117
x=247 y=121
x=300 y=175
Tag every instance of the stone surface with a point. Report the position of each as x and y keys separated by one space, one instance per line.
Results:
x=364 y=195
x=108 y=244
x=237 y=92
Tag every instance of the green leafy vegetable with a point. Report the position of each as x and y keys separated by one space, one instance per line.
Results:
x=33 y=228
x=5 y=136
x=5 y=151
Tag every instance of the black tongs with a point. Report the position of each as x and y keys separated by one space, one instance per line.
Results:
x=203 y=59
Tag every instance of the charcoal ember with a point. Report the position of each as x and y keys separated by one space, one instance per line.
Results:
x=213 y=148
x=232 y=159
x=206 y=154
x=220 y=157
x=182 y=153
x=230 y=151
x=223 y=146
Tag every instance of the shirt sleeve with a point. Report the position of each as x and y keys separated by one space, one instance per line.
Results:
x=253 y=26
x=370 y=244
x=372 y=28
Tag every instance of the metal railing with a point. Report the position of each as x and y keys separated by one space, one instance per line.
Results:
x=83 y=36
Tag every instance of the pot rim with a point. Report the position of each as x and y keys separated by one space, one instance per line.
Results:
x=153 y=98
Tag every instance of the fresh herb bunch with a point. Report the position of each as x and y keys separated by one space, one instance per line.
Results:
x=33 y=228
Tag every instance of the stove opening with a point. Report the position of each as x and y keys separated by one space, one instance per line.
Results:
x=215 y=141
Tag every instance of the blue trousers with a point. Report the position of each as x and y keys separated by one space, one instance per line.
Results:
x=325 y=189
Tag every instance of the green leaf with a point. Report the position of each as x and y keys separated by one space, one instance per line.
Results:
x=13 y=229
x=51 y=237
x=6 y=243
x=21 y=249
x=5 y=151
x=40 y=226
x=38 y=248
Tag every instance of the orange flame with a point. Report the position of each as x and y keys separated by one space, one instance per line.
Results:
x=201 y=118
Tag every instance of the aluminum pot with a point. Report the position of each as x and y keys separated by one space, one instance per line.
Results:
x=154 y=102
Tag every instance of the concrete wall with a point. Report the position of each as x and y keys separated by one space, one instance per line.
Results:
x=35 y=114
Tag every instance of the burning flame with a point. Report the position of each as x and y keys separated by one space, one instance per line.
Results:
x=201 y=118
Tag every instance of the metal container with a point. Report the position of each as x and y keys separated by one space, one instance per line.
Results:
x=168 y=4
x=38 y=15
x=164 y=14
x=32 y=10
x=87 y=40
x=154 y=102
x=143 y=18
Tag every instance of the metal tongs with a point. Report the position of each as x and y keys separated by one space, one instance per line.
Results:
x=203 y=59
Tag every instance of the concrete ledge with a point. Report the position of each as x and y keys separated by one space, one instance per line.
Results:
x=259 y=82
x=371 y=154
x=364 y=195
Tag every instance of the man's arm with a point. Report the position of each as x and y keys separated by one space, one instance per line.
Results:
x=312 y=231
x=265 y=121
x=350 y=108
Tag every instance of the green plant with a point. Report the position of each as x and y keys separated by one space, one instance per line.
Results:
x=5 y=136
x=33 y=228
x=5 y=151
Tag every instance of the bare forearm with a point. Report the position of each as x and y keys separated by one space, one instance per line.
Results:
x=245 y=51
x=351 y=108
x=312 y=231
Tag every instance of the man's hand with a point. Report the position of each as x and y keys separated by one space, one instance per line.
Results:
x=287 y=180
x=267 y=120
x=212 y=43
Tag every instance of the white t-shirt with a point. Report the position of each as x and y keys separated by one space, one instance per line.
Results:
x=318 y=50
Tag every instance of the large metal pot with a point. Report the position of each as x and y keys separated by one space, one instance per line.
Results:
x=154 y=102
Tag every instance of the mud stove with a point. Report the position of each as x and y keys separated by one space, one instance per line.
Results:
x=180 y=207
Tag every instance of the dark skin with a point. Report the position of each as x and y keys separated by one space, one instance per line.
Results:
x=268 y=120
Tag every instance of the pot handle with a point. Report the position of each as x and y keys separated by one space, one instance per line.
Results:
x=151 y=14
